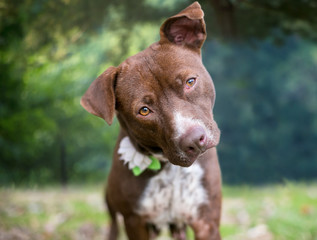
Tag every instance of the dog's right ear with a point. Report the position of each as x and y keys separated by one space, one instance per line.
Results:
x=99 y=99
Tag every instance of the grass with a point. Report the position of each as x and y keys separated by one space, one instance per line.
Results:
x=282 y=212
x=277 y=212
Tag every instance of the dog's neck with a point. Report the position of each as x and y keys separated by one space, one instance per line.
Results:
x=138 y=162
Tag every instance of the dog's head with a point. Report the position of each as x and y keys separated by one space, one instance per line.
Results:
x=163 y=96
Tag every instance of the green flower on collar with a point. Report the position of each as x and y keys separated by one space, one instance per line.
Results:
x=137 y=162
x=155 y=165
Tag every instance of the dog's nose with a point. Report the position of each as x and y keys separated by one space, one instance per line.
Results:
x=194 y=141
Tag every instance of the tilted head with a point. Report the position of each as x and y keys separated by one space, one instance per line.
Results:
x=163 y=96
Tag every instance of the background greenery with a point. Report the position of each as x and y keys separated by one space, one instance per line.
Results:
x=279 y=212
x=261 y=54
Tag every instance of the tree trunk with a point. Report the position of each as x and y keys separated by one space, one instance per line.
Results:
x=224 y=11
x=63 y=164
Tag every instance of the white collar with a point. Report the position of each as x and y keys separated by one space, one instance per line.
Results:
x=134 y=158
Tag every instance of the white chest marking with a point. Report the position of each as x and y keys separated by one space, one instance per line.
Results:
x=173 y=196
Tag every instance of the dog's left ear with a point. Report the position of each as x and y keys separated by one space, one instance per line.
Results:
x=186 y=28
x=99 y=99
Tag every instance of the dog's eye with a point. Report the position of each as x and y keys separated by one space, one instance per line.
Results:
x=144 y=111
x=190 y=82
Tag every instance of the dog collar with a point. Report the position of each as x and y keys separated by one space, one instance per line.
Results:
x=137 y=162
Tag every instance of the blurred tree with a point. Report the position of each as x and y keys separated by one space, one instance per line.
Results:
x=266 y=108
x=45 y=49
x=247 y=20
x=51 y=50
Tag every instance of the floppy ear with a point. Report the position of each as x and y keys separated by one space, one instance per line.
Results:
x=186 y=28
x=99 y=99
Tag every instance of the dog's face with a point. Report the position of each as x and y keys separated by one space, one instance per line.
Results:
x=163 y=96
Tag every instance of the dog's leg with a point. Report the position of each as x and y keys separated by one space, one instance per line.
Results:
x=207 y=226
x=153 y=231
x=113 y=233
x=136 y=228
x=206 y=231
x=178 y=233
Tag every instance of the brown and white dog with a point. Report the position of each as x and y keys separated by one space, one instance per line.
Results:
x=165 y=167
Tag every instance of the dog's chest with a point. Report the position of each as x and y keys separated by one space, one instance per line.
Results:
x=173 y=196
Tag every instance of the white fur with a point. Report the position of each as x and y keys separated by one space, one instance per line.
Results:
x=131 y=156
x=173 y=196
x=183 y=124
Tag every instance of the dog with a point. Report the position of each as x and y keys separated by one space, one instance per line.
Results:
x=165 y=169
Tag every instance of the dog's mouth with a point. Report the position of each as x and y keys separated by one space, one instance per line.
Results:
x=155 y=150
x=187 y=158
x=184 y=150
x=174 y=156
x=192 y=145
x=179 y=157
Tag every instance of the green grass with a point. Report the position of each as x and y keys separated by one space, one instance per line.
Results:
x=277 y=212
x=282 y=212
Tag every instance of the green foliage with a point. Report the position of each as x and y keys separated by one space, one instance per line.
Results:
x=43 y=126
x=266 y=108
x=259 y=53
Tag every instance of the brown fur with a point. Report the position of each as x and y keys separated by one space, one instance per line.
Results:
x=155 y=78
